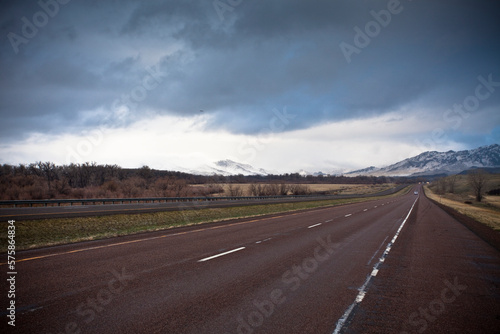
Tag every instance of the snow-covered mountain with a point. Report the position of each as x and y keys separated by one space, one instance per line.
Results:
x=330 y=172
x=227 y=168
x=427 y=163
x=364 y=171
x=432 y=163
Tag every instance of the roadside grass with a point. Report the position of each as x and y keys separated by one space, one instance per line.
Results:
x=464 y=192
x=487 y=213
x=49 y=232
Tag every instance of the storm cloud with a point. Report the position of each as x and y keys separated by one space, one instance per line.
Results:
x=72 y=66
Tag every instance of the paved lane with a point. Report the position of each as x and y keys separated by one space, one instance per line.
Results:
x=439 y=278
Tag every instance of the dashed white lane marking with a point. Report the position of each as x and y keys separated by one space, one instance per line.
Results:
x=314 y=225
x=364 y=288
x=365 y=210
x=329 y=220
x=348 y=215
x=221 y=254
x=261 y=241
x=375 y=206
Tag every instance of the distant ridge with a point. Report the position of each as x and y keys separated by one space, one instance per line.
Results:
x=433 y=163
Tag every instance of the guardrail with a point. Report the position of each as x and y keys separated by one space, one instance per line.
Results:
x=94 y=201
x=58 y=202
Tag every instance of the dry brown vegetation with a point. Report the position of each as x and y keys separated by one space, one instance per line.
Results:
x=460 y=192
x=486 y=215
x=89 y=180
x=262 y=189
x=45 y=180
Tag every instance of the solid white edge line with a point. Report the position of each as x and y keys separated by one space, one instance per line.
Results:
x=221 y=254
x=314 y=225
x=363 y=289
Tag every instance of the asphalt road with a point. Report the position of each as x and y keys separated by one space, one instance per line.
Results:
x=369 y=267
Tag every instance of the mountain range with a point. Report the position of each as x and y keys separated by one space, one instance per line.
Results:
x=228 y=167
x=424 y=164
x=434 y=163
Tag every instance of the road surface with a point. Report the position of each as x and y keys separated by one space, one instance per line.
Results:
x=397 y=265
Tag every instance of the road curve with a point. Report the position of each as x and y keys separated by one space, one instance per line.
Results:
x=305 y=272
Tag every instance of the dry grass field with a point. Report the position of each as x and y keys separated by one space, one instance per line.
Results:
x=345 y=189
x=487 y=212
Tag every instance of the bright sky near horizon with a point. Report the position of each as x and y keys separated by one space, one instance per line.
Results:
x=281 y=85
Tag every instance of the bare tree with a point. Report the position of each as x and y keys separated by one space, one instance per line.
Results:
x=477 y=180
x=300 y=189
x=441 y=186
x=452 y=182
x=272 y=189
x=256 y=189
x=179 y=188
x=49 y=170
x=235 y=191
x=284 y=189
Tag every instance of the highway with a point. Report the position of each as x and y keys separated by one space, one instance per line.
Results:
x=48 y=212
x=398 y=265
x=69 y=211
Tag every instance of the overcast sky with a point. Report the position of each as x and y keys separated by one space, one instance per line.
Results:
x=282 y=85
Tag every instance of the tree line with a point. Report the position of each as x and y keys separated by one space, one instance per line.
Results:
x=476 y=179
x=45 y=180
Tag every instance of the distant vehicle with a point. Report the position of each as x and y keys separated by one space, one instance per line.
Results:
x=416 y=192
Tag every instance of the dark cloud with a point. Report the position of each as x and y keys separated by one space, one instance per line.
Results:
x=240 y=64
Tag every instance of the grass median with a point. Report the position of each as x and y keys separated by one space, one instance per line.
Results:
x=49 y=232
